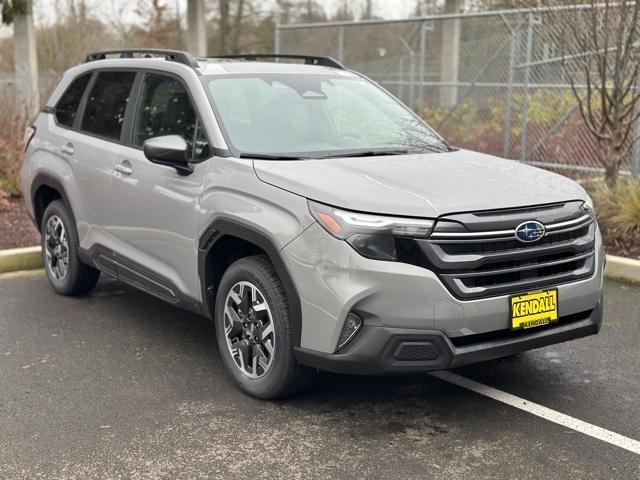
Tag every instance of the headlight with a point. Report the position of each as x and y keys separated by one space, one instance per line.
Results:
x=589 y=203
x=372 y=236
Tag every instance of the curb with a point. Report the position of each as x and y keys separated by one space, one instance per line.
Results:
x=15 y=259
x=622 y=268
x=29 y=258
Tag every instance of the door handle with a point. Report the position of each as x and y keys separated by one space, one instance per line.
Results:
x=123 y=169
x=68 y=149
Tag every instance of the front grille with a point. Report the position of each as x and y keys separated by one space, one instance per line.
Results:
x=498 y=246
x=476 y=255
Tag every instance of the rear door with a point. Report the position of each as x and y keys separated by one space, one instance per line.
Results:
x=156 y=210
x=93 y=147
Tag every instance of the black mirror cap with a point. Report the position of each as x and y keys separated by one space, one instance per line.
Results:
x=168 y=150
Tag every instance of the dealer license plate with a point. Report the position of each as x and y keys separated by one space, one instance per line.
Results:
x=534 y=309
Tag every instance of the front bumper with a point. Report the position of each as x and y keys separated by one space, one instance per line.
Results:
x=332 y=279
x=387 y=350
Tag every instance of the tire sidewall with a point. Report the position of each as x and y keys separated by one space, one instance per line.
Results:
x=66 y=284
x=275 y=379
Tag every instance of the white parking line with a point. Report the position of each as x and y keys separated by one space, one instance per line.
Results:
x=543 y=412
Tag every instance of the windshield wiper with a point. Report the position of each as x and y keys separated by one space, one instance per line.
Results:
x=267 y=156
x=347 y=154
x=435 y=149
x=367 y=153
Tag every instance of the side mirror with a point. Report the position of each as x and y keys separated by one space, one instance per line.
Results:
x=168 y=150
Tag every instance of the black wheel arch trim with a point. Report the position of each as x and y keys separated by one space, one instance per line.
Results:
x=222 y=227
x=43 y=179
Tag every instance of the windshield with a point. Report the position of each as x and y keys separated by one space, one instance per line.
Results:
x=314 y=116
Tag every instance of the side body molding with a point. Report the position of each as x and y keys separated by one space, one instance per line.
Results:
x=222 y=227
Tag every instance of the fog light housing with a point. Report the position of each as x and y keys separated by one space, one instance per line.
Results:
x=351 y=326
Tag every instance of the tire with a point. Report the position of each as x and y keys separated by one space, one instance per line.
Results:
x=59 y=229
x=271 y=371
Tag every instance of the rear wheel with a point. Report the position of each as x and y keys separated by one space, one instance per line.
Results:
x=253 y=330
x=67 y=274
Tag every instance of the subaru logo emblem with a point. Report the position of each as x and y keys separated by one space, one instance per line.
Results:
x=530 y=231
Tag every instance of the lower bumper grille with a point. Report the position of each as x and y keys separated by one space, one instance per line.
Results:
x=476 y=255
x=416 y=352
x=496 y=335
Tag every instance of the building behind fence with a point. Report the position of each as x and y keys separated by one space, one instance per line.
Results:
x=489 y=81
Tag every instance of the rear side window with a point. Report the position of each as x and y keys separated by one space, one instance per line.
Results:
x=67 y=106
x=107 y=103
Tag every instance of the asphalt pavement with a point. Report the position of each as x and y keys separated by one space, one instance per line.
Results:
x=118 y=384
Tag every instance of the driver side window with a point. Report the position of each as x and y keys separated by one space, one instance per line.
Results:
x=165 y=108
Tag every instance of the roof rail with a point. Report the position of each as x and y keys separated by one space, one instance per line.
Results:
x=172 y=55
x=308 y=59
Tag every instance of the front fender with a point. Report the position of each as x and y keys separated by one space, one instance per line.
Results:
x=236 y=203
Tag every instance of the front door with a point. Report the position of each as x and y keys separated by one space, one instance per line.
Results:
x=155 y=208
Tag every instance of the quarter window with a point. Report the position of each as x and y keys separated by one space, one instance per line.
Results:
x=165 y=108
x=201 y=144
x=107 y=103
x=67 y=107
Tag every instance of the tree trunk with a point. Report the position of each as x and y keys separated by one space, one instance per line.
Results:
x=224 y=26
x=237 y=27
x=615 y=156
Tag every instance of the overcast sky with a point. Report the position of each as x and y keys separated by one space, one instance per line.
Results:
x=44 y=9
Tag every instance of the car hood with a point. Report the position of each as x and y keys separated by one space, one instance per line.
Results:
x=420 y=185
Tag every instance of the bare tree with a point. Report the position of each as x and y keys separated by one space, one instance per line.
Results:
x=367 y=10
x=600 y=45
x=157 y=26
x=67 y=41
x=237 y=27
x=343 y=12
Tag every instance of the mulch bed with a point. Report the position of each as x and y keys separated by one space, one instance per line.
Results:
x=623 y=245
x=16 y=228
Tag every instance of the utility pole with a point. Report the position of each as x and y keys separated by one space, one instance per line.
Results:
x=26 y=58
x=196 y=28
x=450 y=55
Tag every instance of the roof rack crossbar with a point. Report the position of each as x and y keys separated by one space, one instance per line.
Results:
x=308 y=59
x=172 y=55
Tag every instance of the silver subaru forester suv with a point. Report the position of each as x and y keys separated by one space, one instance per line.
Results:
x=312 y=217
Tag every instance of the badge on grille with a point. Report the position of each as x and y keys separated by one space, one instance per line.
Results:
x=530 y=231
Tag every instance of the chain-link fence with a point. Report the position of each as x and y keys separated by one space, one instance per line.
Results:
x=489 y=81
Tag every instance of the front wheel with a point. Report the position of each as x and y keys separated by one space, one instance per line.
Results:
x=253 y=330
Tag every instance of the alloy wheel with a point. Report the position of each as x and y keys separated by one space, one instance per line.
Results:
x=249 y=329
x=56 y=247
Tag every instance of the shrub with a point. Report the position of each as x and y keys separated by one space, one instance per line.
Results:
x=3 y=198
x=619 y=208
x=618 y=212
x=13 y=121
x=478 y=123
